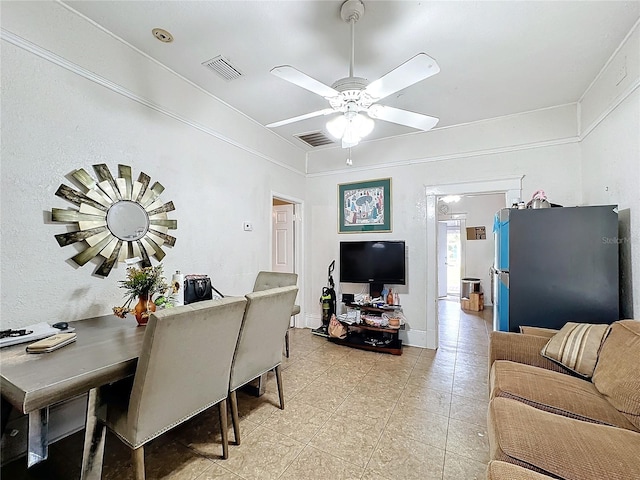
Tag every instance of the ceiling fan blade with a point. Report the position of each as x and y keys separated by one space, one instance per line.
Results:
x=402 y=117
x=325 y=111
x=412 y=71
x=290 y=74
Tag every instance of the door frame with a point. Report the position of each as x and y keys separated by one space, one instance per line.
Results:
x=511 y=187
x=298 y=247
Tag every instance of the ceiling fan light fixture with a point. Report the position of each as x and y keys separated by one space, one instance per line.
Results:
x=350 y=127
x=336 y=126
x=352 y=96
x=363 y=124
x=350 y=139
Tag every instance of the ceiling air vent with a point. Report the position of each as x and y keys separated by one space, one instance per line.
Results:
x=223 y=67
x=315 y=139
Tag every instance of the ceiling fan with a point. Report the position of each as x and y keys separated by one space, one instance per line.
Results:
x=353 y=96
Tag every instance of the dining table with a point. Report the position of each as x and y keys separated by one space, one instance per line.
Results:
x=106 y=350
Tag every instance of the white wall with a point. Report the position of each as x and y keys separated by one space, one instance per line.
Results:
x=546 y=127
x=610 y=150
x=73 y=96
x=549 y=161
x=580 y=154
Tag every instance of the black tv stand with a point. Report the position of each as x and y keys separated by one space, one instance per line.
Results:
x=321 y=331
x=369 y=337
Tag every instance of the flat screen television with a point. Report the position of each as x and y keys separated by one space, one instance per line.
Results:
x=373 y=262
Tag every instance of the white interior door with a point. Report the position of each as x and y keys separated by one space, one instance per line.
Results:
x=442 y=259
x=283 y=258
x=454 y=258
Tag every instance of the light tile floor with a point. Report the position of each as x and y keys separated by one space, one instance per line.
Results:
x=350 y=414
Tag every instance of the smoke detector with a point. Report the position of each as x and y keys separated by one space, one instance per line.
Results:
x=162 y=35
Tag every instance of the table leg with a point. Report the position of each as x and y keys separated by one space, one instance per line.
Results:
x=94 y=438
x=256 y=387
x=5 y=412
x=38 y=442
x=262 y=384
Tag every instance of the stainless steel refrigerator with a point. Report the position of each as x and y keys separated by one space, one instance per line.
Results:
x=555 y=265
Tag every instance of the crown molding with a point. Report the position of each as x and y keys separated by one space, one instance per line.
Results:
x=120 y=90
x=453 y=156
x=612 y=106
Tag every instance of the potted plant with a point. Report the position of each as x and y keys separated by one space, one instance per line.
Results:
x=142 y=283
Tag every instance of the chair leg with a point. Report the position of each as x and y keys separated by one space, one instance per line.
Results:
x=234 y=416
x=286 y=343
x=280 y=386
x=222 y=409
x=137 y=455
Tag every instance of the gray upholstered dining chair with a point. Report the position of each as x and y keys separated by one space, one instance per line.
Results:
x=266 y=280
x=259 y=348
x=184 y=368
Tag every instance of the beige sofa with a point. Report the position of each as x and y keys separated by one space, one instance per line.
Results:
x=545 y=420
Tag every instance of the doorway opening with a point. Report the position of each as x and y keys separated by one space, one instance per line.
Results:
x=454 y=258
x=450 y=256
x=286 y=246
x=510 y=190
x=283 y=236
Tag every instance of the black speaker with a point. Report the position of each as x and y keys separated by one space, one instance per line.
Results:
x=348 y=297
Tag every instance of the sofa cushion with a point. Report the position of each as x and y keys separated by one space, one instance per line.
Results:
x=538 y=331
x=559 y=446
x=617 y=373
x=576 y=346
x=508 y=471
x=554 y=392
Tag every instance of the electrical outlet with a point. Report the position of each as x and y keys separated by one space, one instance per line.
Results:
x=247 y=226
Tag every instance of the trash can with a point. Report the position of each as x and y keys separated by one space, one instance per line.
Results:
x=469 y=285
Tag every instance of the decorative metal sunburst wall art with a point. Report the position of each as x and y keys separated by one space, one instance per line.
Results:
x=118 y=219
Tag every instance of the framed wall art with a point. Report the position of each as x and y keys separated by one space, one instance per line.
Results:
x=364 y=206
x=116 y=219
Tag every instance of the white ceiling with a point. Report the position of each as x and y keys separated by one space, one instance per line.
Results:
x=495 y=58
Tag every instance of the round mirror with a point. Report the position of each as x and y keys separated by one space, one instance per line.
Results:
x=127 y=220
x=114 y=201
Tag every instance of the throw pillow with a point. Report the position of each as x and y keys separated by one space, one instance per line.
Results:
x=576 y=347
